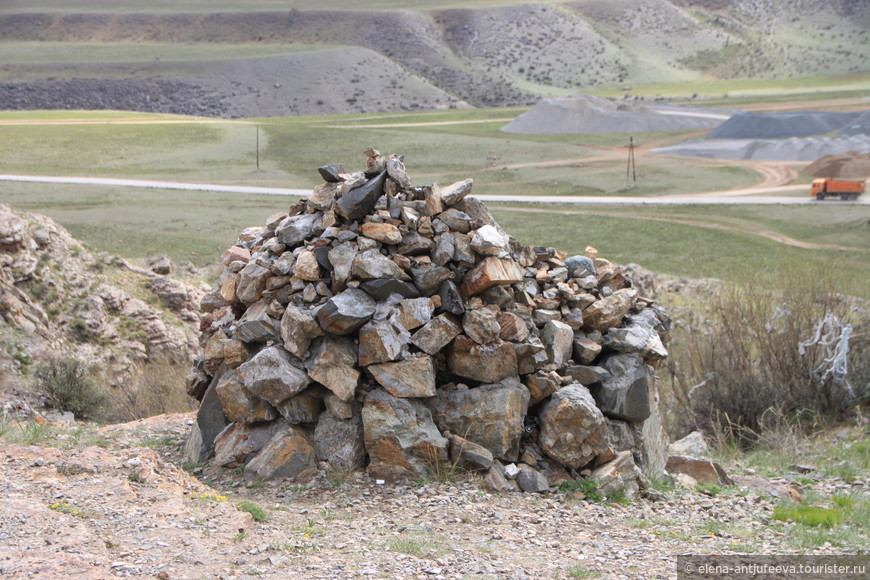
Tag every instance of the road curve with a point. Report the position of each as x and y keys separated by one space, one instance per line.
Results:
x=736 y=196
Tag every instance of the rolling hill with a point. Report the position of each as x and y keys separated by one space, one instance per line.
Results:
x=266 y=58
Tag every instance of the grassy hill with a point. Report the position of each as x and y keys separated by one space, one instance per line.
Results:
x=268 y=58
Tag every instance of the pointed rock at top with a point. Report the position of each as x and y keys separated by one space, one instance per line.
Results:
x=332 y=173
x=360 y=202
x=455 y=192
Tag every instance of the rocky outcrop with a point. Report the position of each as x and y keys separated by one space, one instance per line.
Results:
x=433 y=336
x=59 y=299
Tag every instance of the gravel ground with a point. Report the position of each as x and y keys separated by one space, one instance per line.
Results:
x=126 y=510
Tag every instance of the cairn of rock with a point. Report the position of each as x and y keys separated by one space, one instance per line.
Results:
x=390 y=327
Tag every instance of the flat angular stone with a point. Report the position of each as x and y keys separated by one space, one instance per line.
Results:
x=490 y=415
x=383 y=288
x=513 y=328
x=558 y=339
x=238 y=404
x=414 y=244
x=373 y=265
x=340 y=441
x=415 y=312
x=585 y=350
x=573 y=431
x=339 y=408
x=210 y=421
x=251 y=282
x=341 y=257
x=382 y=232
x=497 y=481
x=636 y=338
x=428 y=280
x=236 y=254
x=396 y=171
x=692 y=444
x=541 y=385
x=531 y=355
x=432 y=197
x=620 y=474
x=436 y=334
x=323 y=196
x=626 y=394
x=400 y=437
x=304 y=407
x=451 y=298
x=380 y=341
x=360 y=202
x=608 y=312
x=332 y=173
x=271 y=375
x=346 y=312
x=444 y=250
x=481 y=325
x=469 y=454
x=332 y=363
x=289 y=454
x=237 y=443
x=531 y=480
x=485 y=363
x=456 y=192
x=491 y=272
x=256 y=325
x=408 y=378
x=456 y=220
x=220 y=350
x=700 y=469
x=307 y=267
x=298 y=329
x=489 y=241
x=586 y=375
x=296 y=229
x=579 y=266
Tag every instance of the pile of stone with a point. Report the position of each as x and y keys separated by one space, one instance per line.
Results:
x=399 y=329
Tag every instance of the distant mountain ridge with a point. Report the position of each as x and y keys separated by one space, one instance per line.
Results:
x=504 y=55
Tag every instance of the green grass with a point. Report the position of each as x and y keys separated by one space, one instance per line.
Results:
x=809 y=515
x=258 y=513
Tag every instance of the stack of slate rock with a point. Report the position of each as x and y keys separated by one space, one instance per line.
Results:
x=394 y=328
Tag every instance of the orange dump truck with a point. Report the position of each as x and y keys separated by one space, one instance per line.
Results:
x=830 y=187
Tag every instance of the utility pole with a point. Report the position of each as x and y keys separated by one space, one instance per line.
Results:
x=258 y=147
x=631 y=169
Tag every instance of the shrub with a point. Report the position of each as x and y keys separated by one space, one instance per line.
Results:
x=156 y=388
x=67 y=383
x=764 y=355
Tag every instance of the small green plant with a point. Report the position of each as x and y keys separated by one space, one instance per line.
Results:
x=240 y=537
x=258 y=513
x=66 y=382
x=587 y=487
x=410 y=546
x=808 y=515
x=617 y=496
x=33 y=432
x=134 y=478
x=711 y=489
x=209 y=497
x=67 y=508
x=581 y=572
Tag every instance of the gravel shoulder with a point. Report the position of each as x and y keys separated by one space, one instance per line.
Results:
x=125 y=508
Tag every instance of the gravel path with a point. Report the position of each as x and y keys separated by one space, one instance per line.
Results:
x=127 y=510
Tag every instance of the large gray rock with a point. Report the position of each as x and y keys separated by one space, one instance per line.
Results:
x=619 y=475
x=252 y=282
x=414 y=377
x=383 y=288
x=296 y=229
x=210 y=421
x=573 y=431
x=490 y=415
x=373 y=265
x=256 y=325
x=626 y=393
x=415 y=312
x=298 y=329
x=469 y=454
x=237 y=443
x=456 y=192
x=531 y=480
x=489 y=241
x=289 y=455
x=340 y=441
x=341 y=257
x=456 y=220
x=332 y=363
x=608 y=312
x=271 y=375
x=558 y=339
x=481 y=325
x=346 y=312
x=484 y=363
x=400 y=437
x=637 y=338
x=429 y=279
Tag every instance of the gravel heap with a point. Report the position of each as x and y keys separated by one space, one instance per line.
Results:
x=793 y=149
x=588 y=114
x=781 y=125
x=400 y=328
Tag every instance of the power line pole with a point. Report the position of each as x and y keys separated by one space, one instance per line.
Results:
x=258 y=147
x=631 y=169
